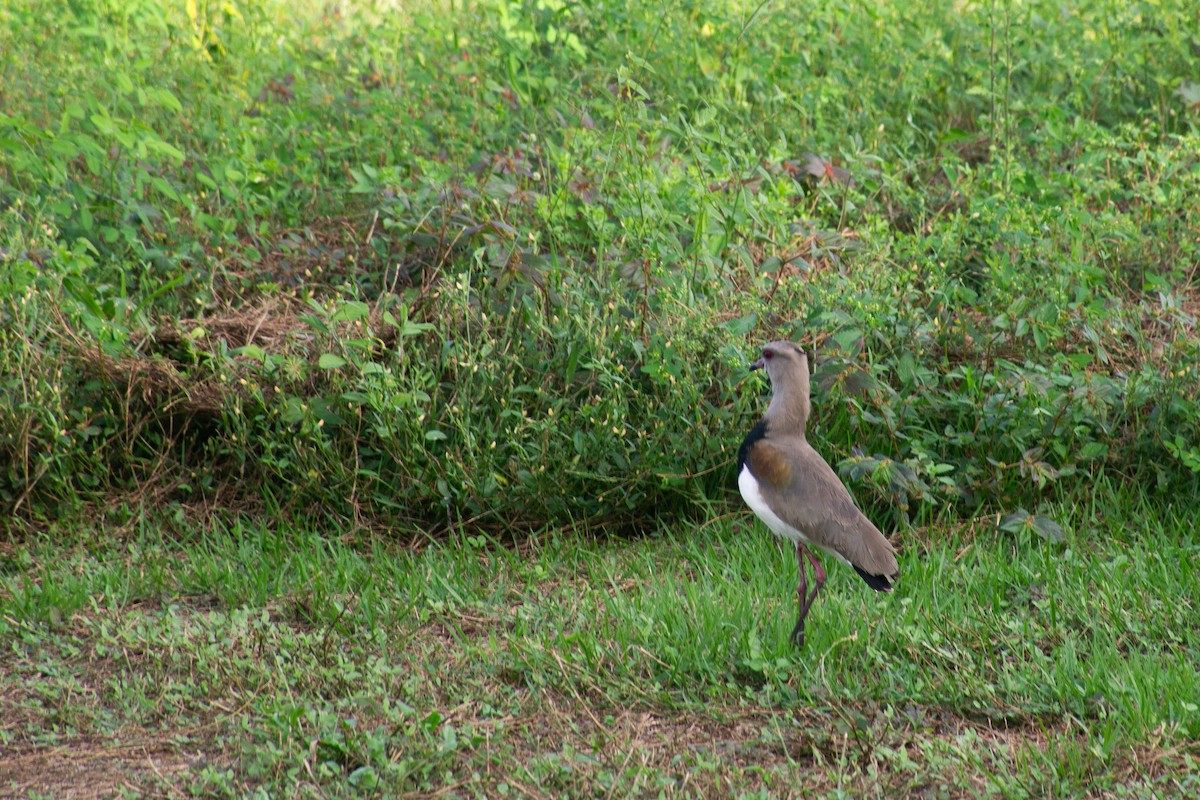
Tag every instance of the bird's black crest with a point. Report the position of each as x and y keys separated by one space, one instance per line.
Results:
x=756 y=433
x=877 y=582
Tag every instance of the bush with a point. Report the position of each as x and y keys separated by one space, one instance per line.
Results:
x=506 y=268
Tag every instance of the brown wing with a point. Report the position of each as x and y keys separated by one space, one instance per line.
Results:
x=808 y=495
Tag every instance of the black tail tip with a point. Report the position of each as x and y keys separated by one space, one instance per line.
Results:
x=880 y=583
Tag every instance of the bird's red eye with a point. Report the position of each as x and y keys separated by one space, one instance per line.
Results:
x=768 y=354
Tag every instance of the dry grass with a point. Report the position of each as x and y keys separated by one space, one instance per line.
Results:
x=91 y=768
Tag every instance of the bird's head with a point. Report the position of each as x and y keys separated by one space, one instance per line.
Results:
x=785 y=364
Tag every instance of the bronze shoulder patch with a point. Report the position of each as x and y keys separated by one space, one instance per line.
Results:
x=769 y=465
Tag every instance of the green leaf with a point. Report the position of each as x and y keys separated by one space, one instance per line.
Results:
x=350 y=311
x=1047 y=528
x=849 y=341
x=330 y=361
x=955 y=135
x=414 y=328
x=1021 y=520
x=251 y=351
x=742 y=325
x=906 y=369
x=1014 y=522
x=1189 y=93
x=165 y=99
x=164 y=149
x=166 y=188
x=203 y=177
x=83 y=293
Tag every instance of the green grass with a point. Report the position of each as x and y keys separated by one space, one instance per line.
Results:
x=1002 y=665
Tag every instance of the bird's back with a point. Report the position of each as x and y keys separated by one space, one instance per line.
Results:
x=805 y=492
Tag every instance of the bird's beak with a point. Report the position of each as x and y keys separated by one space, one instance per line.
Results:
x=762 y=362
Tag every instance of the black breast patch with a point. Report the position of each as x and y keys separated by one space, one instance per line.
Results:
x=756 y=433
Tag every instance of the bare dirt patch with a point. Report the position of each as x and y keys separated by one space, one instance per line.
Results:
x=84 y=768
x=806 y=750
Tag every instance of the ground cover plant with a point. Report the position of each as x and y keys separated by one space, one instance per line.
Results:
x=372 y=376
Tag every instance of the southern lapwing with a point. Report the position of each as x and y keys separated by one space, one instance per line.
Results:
x=791 y=488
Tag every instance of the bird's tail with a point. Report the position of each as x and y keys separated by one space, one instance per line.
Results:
x=880 y=583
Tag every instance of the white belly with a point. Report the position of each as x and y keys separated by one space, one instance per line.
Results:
x=752 y=494
x=758 y=504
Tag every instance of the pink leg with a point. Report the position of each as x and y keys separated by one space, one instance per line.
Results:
x=818 y=574
x=806 y=600
x=802 y=589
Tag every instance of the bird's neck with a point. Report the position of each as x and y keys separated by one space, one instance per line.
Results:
x=789 y=410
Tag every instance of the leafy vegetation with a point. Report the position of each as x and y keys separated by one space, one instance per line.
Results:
x=492 y=271
x=400 y=263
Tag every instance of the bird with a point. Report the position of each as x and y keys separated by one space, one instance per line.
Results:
x=792 y=489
